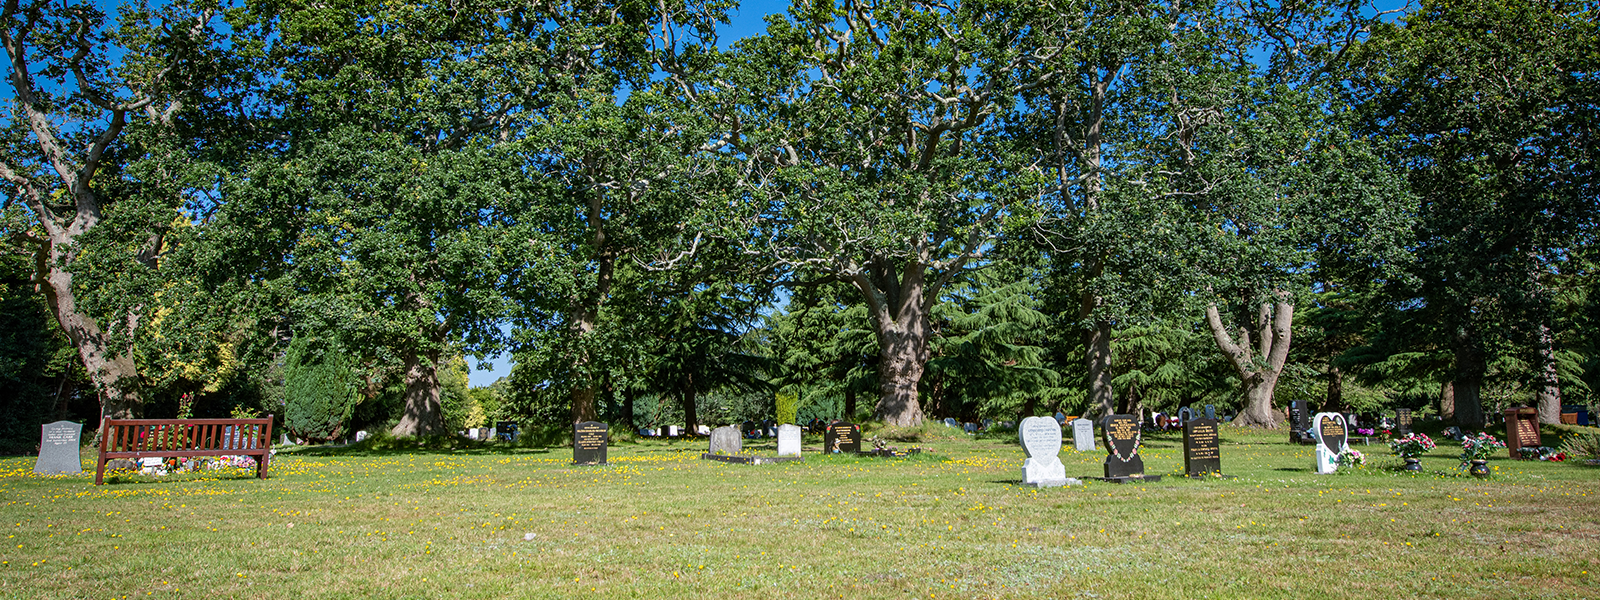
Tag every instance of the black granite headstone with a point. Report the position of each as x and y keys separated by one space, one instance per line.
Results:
x=1297 y=421
x=1402 y=420
x=1202 y=452
x=1333 y=432
x=589 y=443
x=1122 y=438
x=58 y=448
x=841 y=437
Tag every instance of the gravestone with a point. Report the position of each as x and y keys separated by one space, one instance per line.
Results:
x=1041 y=440
x=1202 y=450
x=1061 y=419
x=508 y=430
x=589 y=443
x=361 y=436
x=841 y=437
x=1211 y=411
x=286 y=441
x=1402 y=421
x=1083 y=435
x=58 y=448
x=702 y=429
x=950 y=422
x=969 y=427
x=1185 y=414
x=1522 y=429
x=769 y=428
x=1122 y=437
x=726 y=440
x=1297 y=421
x=472 y=433
x=788 y=440
x=1331 y=432
x=674 y=431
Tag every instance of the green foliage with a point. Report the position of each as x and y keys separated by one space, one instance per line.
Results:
x=987 y=354
x=319 y=389
x=788 y=406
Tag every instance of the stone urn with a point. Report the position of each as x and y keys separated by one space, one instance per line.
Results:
x=1480 y=468
x=1412 y=464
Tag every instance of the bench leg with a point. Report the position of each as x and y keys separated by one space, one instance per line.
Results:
x=100 y=470
x=261 y=466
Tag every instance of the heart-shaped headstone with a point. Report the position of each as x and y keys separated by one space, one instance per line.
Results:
x=1041 y=436
x=1332 y=432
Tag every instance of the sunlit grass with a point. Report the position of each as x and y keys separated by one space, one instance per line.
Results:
x=658 y=522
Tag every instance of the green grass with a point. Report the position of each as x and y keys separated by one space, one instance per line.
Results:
x=660 y=523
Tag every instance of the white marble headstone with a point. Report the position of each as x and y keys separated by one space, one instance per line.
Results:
x=58 y=448
x=788 y=440
x=1083 y=435
x=1041 y=440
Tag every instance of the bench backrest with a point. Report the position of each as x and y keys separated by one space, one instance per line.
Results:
x=247 y=436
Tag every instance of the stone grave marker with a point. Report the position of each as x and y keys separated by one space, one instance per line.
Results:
x=726 y=441
x=1083 y=435
x=950 y=422
x=1211 y=411
x=1522 y=429
x=788 y=440
x=589 y=443
x=1202 y=450
x=1402 y=420
x=969 y=428
x=1041 y=441
x=841 y=437
x=1297 y=421
x=58 y=448
x=286 y=441
x=1331 y=432
x=361 y=436
x=1122 y=437
x=1185 y=414
x=1061 y=419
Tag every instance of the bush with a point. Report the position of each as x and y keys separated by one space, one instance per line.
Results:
x=1582 y=445
x=319 y=391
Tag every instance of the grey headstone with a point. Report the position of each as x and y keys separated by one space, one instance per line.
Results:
x=726 y=440
x=1041 y=440
x=1211 y=411
x=788 y=440
x=361 y=436
x=58 y=448
x=1185 y=414
x=950 y=422
x=1061 y=419
x=286 y=440
x=1083 y=435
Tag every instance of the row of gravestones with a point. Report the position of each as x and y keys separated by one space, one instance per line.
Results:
x=1301 y=421
x=590 y=439
x=1041 y=441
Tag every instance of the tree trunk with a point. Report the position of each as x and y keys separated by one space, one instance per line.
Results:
x=691 y=417
x=1334 y=402
x=1097 y=356
x=114 y=375
x=1468 y=380
x=585 y=315
x=583 y=403
x=423 y=415
x=1028 y=407
x=1272 y=330
x=904 y=354
x=849 y=402
x=629 y=395
x=1547 y=384
x=1447 y=401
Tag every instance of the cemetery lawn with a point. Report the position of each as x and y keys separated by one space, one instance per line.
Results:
x=658 y=522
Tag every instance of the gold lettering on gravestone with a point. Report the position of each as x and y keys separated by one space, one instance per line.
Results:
x=1527 y=432
x=1203 y=443
x=591 y=439
x=1123 y=429
x=1332 y=428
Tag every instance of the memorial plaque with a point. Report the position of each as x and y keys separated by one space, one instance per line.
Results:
x=841 y=437
x=1041 y=441
x=1202 y=451
x=589 y=443
x=1332 y=433
x=1402 y=420
x=788 y=440
x=725 y=440
x=58 y=448
x=1522 y=429
x=1083 y=435
x=1122 y=437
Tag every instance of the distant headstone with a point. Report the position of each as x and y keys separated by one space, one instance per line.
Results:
x=841 y=437
x=361 y=436
x=702 y=429
x=969 y=427
x=1202 y=450
x=472 y=433
x=507 y=430
x=1402 y=420
x=673 y=431
x=1061 y=419
x=1297 y=421
x=1122 y=437
x=1211 y=411
x=1522 y=429
x=769 y=428
x=950 y=422
x=1041 y=440
x=1083 y=435
x=788 y=440
x=726 y=440
x=589 y=443
x=1184 y=414
x=58 y=448
x=1350 y=421
x=1331 y=432
x=286 y=441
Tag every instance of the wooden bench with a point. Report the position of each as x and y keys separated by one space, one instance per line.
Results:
x=141 y=438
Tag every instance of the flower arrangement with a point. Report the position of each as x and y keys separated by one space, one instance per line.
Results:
x=1361 y=431
x=1479 y=447
x=1352 y=458
x=1542 y=453
x=1412 y=446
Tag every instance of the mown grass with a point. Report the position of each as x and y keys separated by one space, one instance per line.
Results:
x=660 y=523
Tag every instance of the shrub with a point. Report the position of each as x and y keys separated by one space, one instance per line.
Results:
x=319 y=392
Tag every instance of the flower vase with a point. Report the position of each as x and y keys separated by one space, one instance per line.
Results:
x=1480 y=468
x=1412 y=464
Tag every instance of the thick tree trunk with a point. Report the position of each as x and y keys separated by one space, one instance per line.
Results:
x=1447 y=401
x=1272 y=330
x=904 y=353
x=629 y=395
x=1028 y=407
x=1547 y=384
x=1097 y=357
x=849 y=402
x=691 y=416
x=1334 y=402
x=584 y=317
x=583 y=404
x=114 y=374
x=1469 y=369
x=423 y=414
